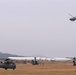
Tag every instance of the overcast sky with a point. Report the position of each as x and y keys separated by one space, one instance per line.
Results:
x=38 y=27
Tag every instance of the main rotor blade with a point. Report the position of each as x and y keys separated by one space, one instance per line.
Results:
x=70 y=15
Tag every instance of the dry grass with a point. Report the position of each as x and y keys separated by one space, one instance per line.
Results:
x=53 y=68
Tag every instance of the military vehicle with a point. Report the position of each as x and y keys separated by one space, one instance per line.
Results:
x=73 y=18
x=8 y=64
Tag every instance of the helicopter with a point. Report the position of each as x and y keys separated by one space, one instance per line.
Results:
x=73 y=18
x=34 y=62
x=74 y=61
x=8 y=64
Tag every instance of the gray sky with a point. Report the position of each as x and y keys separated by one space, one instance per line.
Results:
x=38 y=27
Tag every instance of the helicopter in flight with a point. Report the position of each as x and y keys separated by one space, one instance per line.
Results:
x=73 y=18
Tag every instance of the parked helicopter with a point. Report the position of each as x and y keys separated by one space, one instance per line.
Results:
x=8 y=64
x=74 y=61
x=73 y=18
x=34 y=62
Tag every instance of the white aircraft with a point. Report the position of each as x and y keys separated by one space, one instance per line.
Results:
x=60 y=59
x=40 y=58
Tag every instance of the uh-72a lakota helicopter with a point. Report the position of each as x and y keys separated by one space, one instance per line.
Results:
x=73 y=18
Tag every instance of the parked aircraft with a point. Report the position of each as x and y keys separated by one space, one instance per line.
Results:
x=60 y=59
x=34 y=62
x=39 y=58
x=21 y=58
x=74 y=61
x=8 y=64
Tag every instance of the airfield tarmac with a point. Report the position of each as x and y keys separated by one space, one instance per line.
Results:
x=52 y=68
